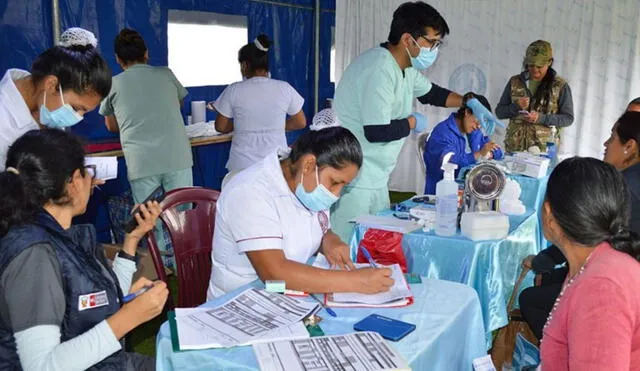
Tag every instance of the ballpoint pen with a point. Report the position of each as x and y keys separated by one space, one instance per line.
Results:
x=368 y=257
x=329 y=310
x=134 y=295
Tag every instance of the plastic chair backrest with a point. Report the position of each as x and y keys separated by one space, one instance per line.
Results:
x=421 y=145
x=191 y=232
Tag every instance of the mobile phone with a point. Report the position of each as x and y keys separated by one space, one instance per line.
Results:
x=523 y=112
x=156 y=195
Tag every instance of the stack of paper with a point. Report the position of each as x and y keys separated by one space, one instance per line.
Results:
x=387 y=223
x=361 y=351
x=399 y=295
x=251 y=317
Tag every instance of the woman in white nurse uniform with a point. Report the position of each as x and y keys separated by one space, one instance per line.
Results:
x=273 y=216
x=65 y=82
x=258 y=109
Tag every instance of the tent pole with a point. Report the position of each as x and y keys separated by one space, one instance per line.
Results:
x=55 y=7
x=316 y=74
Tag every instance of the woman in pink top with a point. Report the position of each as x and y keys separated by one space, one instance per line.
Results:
x=595 y=323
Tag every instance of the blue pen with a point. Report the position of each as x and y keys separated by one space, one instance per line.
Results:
x=368 y=257
x=134 y=295
x=329 y=310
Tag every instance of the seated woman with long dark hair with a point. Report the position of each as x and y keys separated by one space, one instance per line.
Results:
x=61 y=304
x=595 y=322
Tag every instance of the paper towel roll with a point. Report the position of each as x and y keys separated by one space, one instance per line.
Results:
x=198 y=111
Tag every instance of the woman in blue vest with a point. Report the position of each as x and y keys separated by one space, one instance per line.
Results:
x=461 y=135
x=60 y=301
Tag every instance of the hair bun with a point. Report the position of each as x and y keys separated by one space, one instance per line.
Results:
x=326 y=118
x=262 y=42
x=77 y=36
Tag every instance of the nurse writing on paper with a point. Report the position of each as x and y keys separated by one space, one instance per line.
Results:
x=273 y=216
x=374 y=100
x=66 y=81
x=256 y=109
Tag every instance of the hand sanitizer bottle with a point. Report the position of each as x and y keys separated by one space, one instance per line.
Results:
x=447 y=200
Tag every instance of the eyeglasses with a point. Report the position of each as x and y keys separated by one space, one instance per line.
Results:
x=435 y=44
x=91 y=170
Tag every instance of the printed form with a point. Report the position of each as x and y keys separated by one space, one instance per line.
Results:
x=398 y=294
x=360 y=351
x=252 y=315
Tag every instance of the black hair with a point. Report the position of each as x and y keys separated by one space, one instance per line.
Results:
x=635 y=101
x=129 y=46
x=543 y=94
x=255 y=58
x=629 y=127
x=78 y=68
x=465 y=98
x=45 y=160
x=333 y=146
x=413 y=18
x=590 y=201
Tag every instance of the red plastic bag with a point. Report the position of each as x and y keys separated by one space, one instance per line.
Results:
x=385 y=248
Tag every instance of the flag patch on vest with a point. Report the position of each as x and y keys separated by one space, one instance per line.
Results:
x=95 y=300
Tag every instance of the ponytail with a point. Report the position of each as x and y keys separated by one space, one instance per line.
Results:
x=15 y=206
x=628 y=242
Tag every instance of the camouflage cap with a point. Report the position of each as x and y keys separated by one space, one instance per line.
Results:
x=538 y=53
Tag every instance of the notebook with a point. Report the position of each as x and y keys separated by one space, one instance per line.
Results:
x=398 y=296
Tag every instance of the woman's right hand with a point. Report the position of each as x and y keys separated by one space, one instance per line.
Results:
x=523 y=103
x=148 y=305
x=372 y=280
x=488 y=148
x=139 y=310
x=528 y=262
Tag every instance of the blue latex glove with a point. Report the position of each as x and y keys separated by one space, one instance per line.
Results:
x=421 y=122
x=486 y=118
x=498 y=154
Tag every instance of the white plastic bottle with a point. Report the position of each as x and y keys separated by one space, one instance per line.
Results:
x=447 y=201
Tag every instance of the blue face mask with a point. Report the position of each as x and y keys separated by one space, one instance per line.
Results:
x=61 y=117
x=425 y=58
x=317 y=200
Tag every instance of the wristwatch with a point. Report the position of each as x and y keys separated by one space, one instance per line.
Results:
x=124 y=255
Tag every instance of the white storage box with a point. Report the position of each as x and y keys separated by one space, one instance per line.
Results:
x=484 y=225
x=527 y=164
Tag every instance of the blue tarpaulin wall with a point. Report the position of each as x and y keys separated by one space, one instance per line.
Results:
x=26 y=31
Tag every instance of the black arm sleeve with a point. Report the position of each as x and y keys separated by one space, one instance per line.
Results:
x=437 y=96
x=396 y=129
x=547 y=259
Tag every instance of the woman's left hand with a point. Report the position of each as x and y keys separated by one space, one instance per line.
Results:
x=146 y=218
x=532 y=117
x=339 y=255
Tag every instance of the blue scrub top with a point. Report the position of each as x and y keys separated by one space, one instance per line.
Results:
x=445 y=138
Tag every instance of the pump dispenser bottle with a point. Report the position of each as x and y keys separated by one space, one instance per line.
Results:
x=447 y=200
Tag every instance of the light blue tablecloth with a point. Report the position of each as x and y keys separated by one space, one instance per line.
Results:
x=490 y=267
x=449 y=332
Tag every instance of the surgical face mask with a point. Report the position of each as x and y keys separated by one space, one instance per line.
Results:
x=317 y=200
x=62 y=117
x=425 y=58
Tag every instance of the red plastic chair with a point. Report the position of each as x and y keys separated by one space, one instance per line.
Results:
x=191 y=233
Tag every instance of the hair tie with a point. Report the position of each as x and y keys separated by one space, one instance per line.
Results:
x=12 y=169
x=256 y=42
